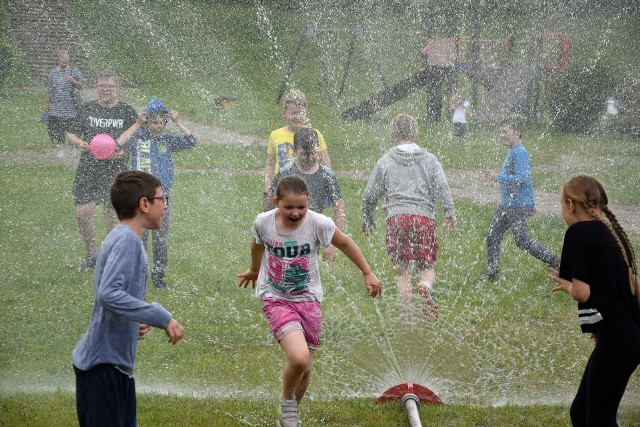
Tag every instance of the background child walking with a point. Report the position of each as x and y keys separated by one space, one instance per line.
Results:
x=152 y=151
x=323 y=185
x=598 y=270
x=280 y=145
x=103 y=359
x=409 y=181
x=284 y=265
x=460 y=104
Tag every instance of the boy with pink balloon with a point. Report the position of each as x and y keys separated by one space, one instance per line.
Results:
x=96 y=128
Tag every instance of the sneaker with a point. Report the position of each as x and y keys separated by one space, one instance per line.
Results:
x=429 y=305
x=88 y=264
x=488 y=275
x=60 y=154
x=287 y=413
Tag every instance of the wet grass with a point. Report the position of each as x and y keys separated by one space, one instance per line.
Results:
x=512 y=341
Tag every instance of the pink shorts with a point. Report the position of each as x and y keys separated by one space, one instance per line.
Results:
x=411 y=238
x=285 y=317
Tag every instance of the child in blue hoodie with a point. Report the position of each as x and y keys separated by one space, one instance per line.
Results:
x=409 y=181
x=104 y=358
x=151 y=151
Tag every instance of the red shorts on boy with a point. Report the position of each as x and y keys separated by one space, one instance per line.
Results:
x=411 y=238
x=285 y=317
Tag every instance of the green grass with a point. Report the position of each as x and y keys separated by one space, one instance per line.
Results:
x=495 y=344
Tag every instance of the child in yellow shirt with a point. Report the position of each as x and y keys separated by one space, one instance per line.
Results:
x=280 y=148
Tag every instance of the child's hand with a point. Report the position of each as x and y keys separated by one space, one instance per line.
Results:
x=247 y=277
x=563 y=285
x=143 y=330
x=174 y=331
x=451 y=223
x=373 y=285
x=141 y=119
x=491 y=174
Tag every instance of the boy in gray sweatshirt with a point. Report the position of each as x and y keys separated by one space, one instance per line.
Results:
x=103 y=359
x=409 y=181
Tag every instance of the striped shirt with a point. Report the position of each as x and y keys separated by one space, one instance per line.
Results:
x=60 y=90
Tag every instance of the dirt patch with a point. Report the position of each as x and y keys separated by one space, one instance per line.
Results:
x=465 y=184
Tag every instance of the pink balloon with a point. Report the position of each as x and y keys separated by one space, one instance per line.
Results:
x=102 y=146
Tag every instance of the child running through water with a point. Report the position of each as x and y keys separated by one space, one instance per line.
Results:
x=284 y=265
x=598 y=269
x=409 y=181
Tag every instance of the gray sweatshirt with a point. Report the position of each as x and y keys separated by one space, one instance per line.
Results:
x=407 y=180
x=119 y=287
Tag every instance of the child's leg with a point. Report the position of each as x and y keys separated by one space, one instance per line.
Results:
x=297 y=370
x=404 y=279
x=430 y=307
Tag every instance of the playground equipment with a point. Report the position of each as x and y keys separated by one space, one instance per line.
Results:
x=492 y=65
x=313 y=31
x=410 y=396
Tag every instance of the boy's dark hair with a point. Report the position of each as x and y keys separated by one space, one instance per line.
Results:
x=306 y=139
x=291 y=184
x=157 y=113
x=127 y=190
x=514 y=123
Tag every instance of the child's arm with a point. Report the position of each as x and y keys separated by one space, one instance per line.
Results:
x=352 y=251
x=325 y=160
x=251 y=275
x=127 y=134
x=577 y=289
x=173 y=115
x=269 y=171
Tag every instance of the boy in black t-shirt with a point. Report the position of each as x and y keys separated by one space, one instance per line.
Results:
x=94 y=176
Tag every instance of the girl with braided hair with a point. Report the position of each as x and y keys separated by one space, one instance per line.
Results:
x=598 y=269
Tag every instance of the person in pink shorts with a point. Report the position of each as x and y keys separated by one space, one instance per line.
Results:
x=284 y=265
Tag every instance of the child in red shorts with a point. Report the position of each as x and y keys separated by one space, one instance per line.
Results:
x=408 y=180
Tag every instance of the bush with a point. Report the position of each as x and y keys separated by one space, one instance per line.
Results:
x=576 y=99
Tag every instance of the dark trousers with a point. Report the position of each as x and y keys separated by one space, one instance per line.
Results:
x=57 y=127
x=613 y=360
x=105 y=397
x=160 y=245
x=514 y=218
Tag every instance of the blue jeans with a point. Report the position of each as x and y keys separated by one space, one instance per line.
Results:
x=514 y=218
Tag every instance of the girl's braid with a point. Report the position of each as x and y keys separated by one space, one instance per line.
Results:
x=616 y=225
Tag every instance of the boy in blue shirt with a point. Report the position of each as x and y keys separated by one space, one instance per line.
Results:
x=151 y=151
x=516 y=203
x=104 y=357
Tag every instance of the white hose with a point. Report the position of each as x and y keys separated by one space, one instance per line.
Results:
x=411 y=403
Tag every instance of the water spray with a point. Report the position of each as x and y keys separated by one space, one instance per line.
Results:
x=410 y=396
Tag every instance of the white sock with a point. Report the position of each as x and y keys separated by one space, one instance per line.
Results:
x=428 y=285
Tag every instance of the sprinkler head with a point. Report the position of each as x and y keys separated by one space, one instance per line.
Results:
x=406 y=391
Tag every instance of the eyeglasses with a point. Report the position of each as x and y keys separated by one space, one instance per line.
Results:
x=165 y=199
x=106 y=86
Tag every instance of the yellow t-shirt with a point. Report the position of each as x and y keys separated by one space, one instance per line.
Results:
x=281 y=144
